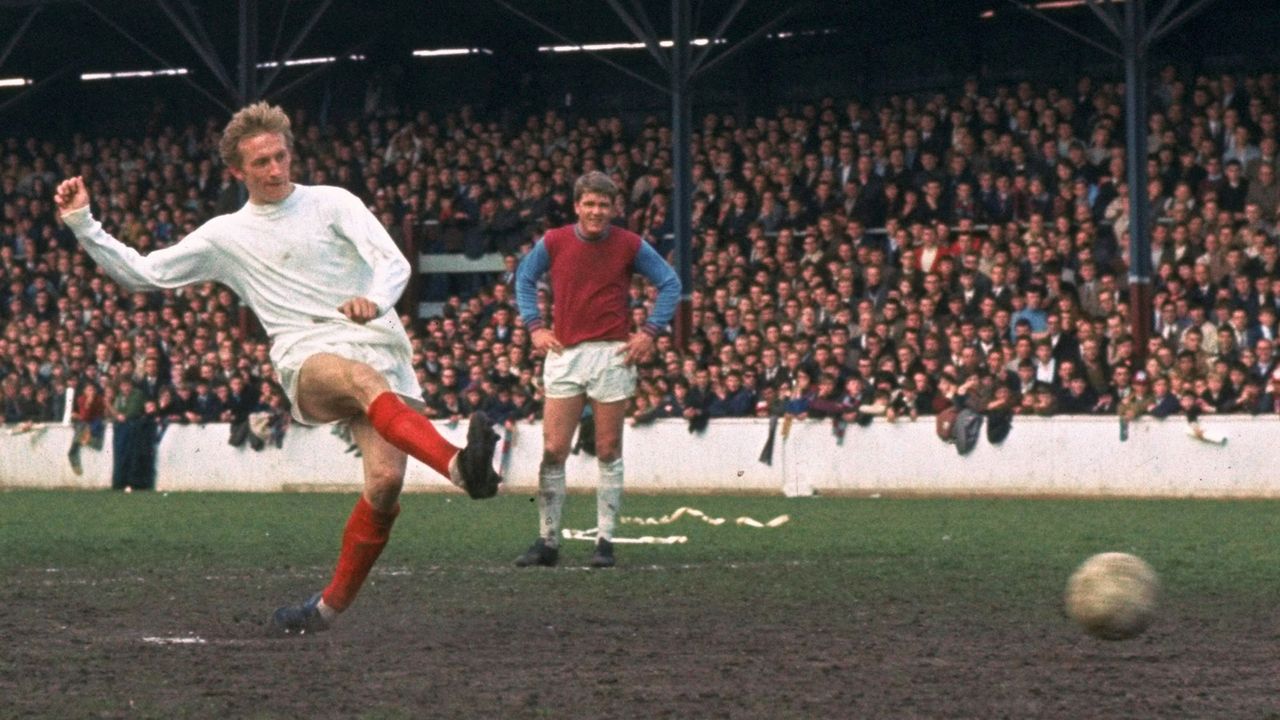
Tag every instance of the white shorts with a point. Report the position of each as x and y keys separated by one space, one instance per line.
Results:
x=393 y=362
x=598 y=369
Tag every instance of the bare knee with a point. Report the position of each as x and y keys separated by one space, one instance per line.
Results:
x=607 y=452
x=555 y=456
x=608 y=443
x=555 y=447
x=366 y=383
x=382 y=487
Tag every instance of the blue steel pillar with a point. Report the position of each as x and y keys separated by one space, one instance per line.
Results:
x=682 y=173
x=1135 y=120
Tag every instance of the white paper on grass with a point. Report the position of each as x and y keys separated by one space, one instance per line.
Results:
x=675 y=515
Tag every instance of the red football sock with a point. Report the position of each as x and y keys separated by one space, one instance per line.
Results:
x=367 y=532
x=401 y=426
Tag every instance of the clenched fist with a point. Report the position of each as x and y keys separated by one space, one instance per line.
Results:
x=71 y=195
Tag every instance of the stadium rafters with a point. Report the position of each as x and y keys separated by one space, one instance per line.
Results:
x=1136 y=36
x=682 y=68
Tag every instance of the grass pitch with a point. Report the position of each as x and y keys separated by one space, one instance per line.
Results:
x=150 y=605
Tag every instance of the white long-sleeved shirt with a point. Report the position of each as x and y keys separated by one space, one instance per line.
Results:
x=293 y=263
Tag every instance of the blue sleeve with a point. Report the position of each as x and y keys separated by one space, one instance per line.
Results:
x=650 y=264
x=531 y=268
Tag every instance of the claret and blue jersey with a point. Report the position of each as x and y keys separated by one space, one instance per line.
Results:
x=589 y=284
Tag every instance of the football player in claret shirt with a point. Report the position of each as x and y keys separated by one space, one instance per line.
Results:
x=591 y=350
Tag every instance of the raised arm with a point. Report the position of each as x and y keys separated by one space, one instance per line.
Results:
x=189 y=261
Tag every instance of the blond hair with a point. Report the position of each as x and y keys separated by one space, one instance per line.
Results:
x=256 y=119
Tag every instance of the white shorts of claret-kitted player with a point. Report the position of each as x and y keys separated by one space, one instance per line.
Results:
x=597 y=369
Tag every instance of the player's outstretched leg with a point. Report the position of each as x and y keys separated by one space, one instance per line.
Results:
x=470 y=468
x=545 y=551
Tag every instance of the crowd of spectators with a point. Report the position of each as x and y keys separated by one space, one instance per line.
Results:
x=892 y=257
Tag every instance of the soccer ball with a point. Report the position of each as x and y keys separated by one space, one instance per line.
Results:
x=1113 y=595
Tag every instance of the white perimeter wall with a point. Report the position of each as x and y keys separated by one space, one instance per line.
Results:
x=1060 y=456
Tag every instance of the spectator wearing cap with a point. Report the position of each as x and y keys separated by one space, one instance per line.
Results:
x=1137 y=402
x=1093 y=365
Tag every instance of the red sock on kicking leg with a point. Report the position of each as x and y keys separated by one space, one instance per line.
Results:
x=367 y=532
x=403 y=427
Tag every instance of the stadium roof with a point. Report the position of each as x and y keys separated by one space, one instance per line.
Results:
x=43 y=39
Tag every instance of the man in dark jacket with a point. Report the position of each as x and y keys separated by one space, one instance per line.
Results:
x=731 y=399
